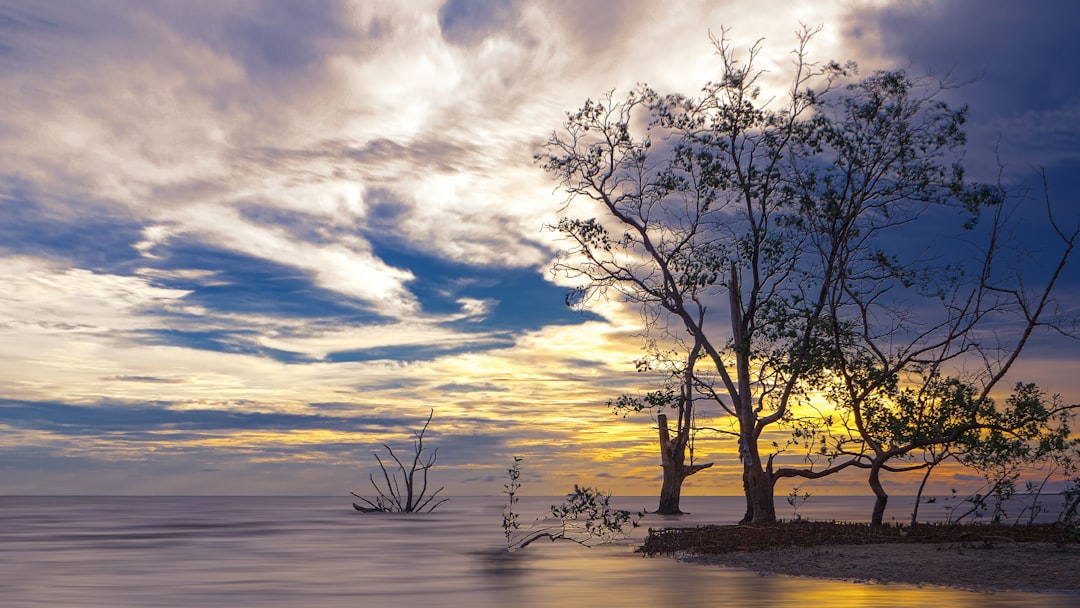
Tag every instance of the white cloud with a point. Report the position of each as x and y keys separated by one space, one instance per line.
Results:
x=38 y=297
x=319 y=343
x=347 y=266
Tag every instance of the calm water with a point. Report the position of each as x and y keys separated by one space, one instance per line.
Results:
x=319 y=552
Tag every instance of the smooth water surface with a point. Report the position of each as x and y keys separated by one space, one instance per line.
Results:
x=319 y=552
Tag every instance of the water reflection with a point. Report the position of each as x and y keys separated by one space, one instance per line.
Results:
x=318 y=552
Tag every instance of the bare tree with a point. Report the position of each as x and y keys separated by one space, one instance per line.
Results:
x=407 y=494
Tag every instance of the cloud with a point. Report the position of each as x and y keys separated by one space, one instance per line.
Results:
x=1015 y=73
x=288 y=37
x=145 y=419
x=470 y=388
x=346 y=266
x=236 y=233
x=470 y=21
x=46 y=297
x=150 y=379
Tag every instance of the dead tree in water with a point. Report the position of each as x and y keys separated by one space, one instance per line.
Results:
x=406 y=495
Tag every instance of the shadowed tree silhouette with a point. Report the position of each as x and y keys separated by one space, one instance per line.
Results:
x=799 y=247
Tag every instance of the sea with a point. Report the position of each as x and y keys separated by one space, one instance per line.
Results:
x=319 y=552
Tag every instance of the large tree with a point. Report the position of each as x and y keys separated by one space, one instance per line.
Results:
x=779 y=243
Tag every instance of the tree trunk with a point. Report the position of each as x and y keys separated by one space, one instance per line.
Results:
x=670 y=492
x=918 y=495
x=757 y=480
x=882 y=498
x=671 y=488
x=673 y=457
x=759 y=495
x=758 y=485
x=749 y=515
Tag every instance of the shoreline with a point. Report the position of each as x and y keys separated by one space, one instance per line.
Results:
x=992 y=567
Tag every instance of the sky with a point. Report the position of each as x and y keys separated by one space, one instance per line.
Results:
x=245 y=243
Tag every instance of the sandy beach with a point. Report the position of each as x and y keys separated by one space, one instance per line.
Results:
x=999 y=566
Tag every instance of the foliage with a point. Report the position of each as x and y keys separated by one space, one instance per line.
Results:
x=946 y=418
x=510 y=517
x=1029 y=435
x=585 y=517
x=407 y=494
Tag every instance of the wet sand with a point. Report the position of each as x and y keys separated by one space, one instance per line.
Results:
x=1000 y=566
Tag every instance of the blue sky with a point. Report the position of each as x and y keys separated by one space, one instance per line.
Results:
x=242 y=244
